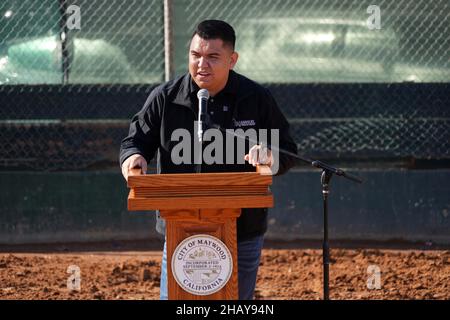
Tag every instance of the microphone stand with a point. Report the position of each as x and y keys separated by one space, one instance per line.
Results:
x=327 y=174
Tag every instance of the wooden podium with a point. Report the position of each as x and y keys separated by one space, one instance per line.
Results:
x=201 y=204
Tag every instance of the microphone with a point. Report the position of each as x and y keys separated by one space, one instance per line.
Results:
x=203 y=96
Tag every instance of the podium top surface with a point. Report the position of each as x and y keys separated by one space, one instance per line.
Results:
x=199 y=179
x=262 y=177
x=200 y=190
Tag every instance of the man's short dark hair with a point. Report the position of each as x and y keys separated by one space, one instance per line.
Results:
x=216 y=29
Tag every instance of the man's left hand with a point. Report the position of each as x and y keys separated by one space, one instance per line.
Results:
x=259 y=154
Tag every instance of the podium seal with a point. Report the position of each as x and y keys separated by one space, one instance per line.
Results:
x=202 y=264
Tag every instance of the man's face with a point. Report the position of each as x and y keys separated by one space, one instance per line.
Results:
x=210 y=62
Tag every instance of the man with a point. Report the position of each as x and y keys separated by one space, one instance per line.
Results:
x=235 y=102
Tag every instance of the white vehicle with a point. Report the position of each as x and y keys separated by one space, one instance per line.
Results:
x=318 y=49
x=92 y=61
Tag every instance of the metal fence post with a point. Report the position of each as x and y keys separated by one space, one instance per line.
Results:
x=168 y=40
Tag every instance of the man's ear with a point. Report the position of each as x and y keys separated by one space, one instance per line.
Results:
x=233 y=59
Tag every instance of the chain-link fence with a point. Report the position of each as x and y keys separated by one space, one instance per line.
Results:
x=357 y=79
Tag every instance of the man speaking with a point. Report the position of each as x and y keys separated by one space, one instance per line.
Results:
x=233 y=102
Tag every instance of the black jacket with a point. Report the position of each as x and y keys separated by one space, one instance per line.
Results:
x=173 y=105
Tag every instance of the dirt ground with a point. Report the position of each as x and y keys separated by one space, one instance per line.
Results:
x=283 y=274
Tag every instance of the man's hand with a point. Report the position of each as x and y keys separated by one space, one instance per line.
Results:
x=134 y=161
x=259 y=154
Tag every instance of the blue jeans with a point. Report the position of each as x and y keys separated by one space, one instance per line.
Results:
x=249 y=254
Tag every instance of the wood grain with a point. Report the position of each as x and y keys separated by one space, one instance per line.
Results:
x=211 y=202
x=196 y=179
x=205 y=203
x=152 y=192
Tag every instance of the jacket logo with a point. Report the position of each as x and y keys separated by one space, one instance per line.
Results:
x=244 y=123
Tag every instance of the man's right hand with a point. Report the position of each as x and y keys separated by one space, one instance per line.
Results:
x=134 y=161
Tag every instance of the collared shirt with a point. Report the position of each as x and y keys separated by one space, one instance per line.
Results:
x=221 y=106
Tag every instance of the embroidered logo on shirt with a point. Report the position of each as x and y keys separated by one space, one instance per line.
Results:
x=244 y=123
x=225 y=108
